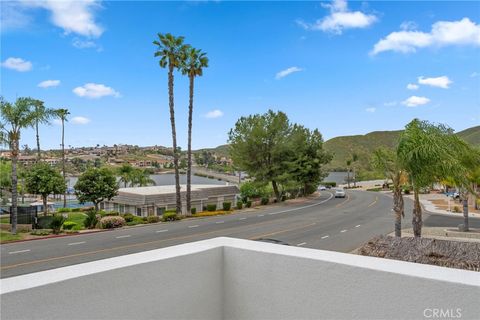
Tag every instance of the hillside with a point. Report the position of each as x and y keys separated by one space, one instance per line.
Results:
x=471 y=135
x=221 y=150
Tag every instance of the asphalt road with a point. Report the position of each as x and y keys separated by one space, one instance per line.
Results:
x=323 y=223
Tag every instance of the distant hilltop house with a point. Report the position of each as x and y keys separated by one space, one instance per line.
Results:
x=155 y=200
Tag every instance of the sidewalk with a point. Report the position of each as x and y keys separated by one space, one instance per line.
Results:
x=444 y=233
x=438 y=203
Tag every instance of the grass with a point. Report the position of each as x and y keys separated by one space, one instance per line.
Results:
x=5 y=220
x=77 y=217
x=7 y=236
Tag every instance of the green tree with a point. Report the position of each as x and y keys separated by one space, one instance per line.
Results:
x=62 y=114
x=354 y=161
x=170 y=50
x=5 y=176
x=42 y=116
x=15 y=118
x=125 y=173
x=386 y=161
x=42 y=179
x=193 y=64
x=141 y=178
x=96 y=185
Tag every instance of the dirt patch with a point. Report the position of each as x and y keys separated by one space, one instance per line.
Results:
x=444 y=253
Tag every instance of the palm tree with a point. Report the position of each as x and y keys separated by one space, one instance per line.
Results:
x=349 y=163
x=62 y=114
x=354 y=160
x=385 y=160
x=141 y=178
x=194 y=62
x=170 y=50
x=125 y=174
x=16 y=117
x=42 y=116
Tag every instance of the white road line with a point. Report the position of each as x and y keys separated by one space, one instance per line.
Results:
x=19 y=251
x=242 y=218
x=271 y=213
x=158 y=231
x=325 y=237
x=260 y=215
x=75 y=243
x=301 y=244
x=220 y=222
x=194 y=226
x=343 y=231
x=357 y=226
x=125 y=236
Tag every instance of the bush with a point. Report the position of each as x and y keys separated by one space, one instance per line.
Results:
x=249 y=203
x=68 y=225
x=40 y=232
x=249 y=190
x=284 y=197
x=329 y=184
x=56 y=224
x=239 y=204
x=77 y=209
x=91 y=220
x=60 y=210
x=456 y=209
x=44 y=222
x=193 y=210
x=153 y=219
x=170 y=216
x=128 y=217
x=76 y=227
x=211 y=207
x=264 y=201
x=111 y=214
x=227 y=206
x=110 y=222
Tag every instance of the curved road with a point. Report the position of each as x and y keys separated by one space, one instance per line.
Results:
x=323 y=223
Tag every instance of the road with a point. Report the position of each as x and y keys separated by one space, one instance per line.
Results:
x=323 y=223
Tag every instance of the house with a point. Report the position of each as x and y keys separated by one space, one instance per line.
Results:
x=154 y=200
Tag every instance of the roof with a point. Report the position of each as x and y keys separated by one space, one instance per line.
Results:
x=154 y=190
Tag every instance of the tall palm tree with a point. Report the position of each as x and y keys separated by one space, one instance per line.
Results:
x=194 y=62
x=62 y=114
x=141 y=178
x=16 y=117
x=125 y=174
x=349 y=163
x=170 y=50
x=42 y=116
x=354 y=160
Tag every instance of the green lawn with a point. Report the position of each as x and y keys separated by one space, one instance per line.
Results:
x=5 y=220
x=77 y=217
x=7 y=236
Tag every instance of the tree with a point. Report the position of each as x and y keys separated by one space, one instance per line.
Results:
x=354 y=160
x=349 y=163
x=96 y=185
x=42 y=179
x=125 y=174
x=15 y=118
x=63 y=114
x=386 y=161
x=193 y=64
x=5 y=176
x=141 y=178
x=42 y=116
x=170 y=50
x=428 y=153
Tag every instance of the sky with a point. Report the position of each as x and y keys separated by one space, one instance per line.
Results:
x=343 y=67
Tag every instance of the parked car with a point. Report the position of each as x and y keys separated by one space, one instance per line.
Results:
x=339 y=193
x=322 y=188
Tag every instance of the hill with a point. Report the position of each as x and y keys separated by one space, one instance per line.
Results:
x=221 y=150
x=471 y=135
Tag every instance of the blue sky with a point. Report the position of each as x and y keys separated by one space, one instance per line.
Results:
x=340 y=67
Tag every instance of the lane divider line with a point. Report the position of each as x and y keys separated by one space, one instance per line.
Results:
x=19 y=251
x=260 y=215
x=281 y=231
x=325 y=237
x=343 y=231
x=373 y=203
x=75 y=243
x=242 y=218
x=220 y=222
x=194 y=226
x=357 y=226
x=164 y=230
x=301 y=244
x=125 y=236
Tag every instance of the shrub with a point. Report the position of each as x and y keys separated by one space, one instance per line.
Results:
x=193 y=210
x=239 y=204
x=153 y=219
x=77 y=209
x=91 y=220
x=227 y=206
x=456 y=209
x=329 y=184
x=250 y=190
x=60 y=210
x=56 y=224
x=110 y=222
x=128 y=217
x=211 y=207
x=170 y=216
x=68 y=225
x=249 y=203
x=44 y=222
x=284 y=197
x=111 y=214
x=40 y=232
x=204 y=208
x=76 y=227
x=264 y=201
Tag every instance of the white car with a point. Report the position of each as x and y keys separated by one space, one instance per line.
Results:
x=339 y=193
x=322 y=188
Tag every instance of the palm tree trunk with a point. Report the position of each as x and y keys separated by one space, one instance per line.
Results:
x=189 y=151
x=14 y=208
x=417 y=215
x=45 y=205
x=354 y=178
x=38 y=141
x=465 y=214
x=63 y=162
x=174 y=138
x=348 y=177
x=275 y=190
x=398 y=208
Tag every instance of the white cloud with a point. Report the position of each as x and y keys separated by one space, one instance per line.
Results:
x=214 y=114
x=17 y=64
x=287 y=71
x=371 y=110
x=390 y=103
x=415 y=101
x=72 y=16
x=408 y=25
x=474 y=74
x=82 y=44
x=49 y=83
x=80 y=120
x=443 y=33
x=340 y=18
x=95 y=90
x=412 y=86
x=439 y=82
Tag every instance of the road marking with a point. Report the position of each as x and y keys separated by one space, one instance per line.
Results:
x=281 y=231
x=373 y=203
x=19 y=251
x=325 y=237
x=357 y=226
x=272 y=213
x=260 y=215
x=194 y=226
x=75 y=243
x=345 y=201
x=164 y=230
x=343 y=231
x=242 y=218
x=125 y=236
x=220 y=222
x=301 y=244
